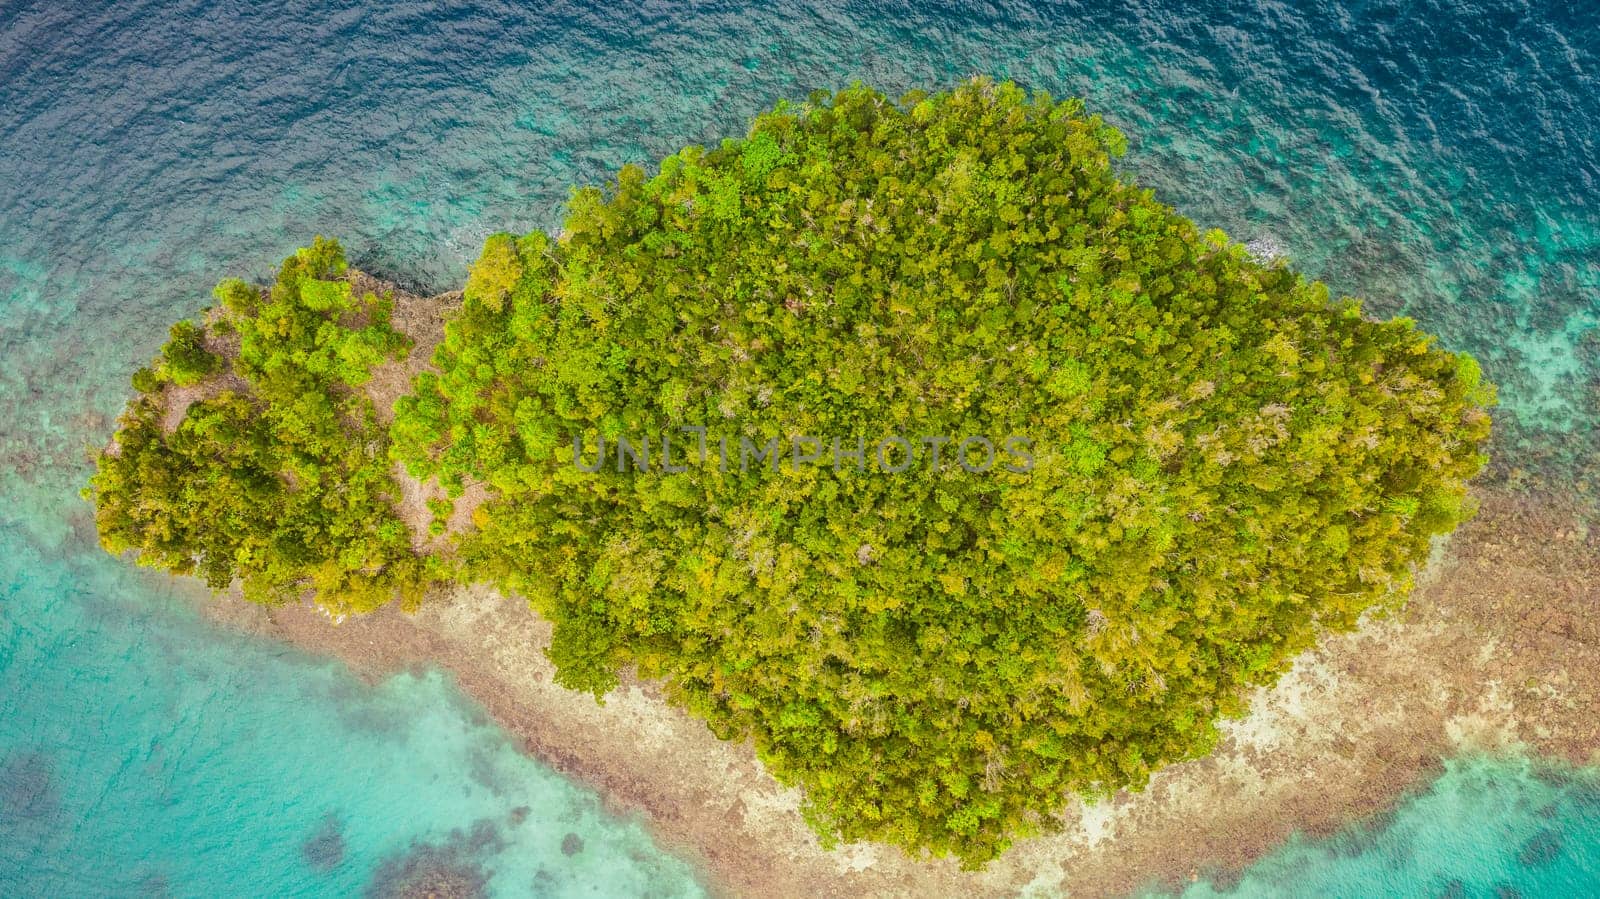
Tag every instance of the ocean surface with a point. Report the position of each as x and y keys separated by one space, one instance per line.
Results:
x=1439 y=158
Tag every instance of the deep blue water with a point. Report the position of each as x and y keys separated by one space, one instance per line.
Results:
x=1440 y=159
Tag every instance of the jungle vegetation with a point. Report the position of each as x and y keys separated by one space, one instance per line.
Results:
x=1229 y=462
x=279 y=479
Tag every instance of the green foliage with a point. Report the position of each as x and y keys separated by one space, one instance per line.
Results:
x=1228 y=463
x=285 y=488
x=185 y=359
x=238 y=297
x=145 y=380
x=462 y=420
x=496 y=273
x=311 y=335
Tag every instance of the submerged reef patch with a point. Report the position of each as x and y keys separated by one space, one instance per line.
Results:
x=324 y=849
x=452 y=868
x=28 y=790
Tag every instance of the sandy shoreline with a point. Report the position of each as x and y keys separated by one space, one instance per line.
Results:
x=1495 y=651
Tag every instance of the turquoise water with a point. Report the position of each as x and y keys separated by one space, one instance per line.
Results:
x=143 y=753
x=1485 y=827
x=1438 y=158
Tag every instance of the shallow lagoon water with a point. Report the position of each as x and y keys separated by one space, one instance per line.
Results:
x=1438 y=158
x=1485 y=827
x=145 y=753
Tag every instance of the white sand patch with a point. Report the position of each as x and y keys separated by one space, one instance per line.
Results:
x=1097 y=822
x=856 y=857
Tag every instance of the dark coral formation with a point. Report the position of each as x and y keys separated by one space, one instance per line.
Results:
x=27 y=787
x=324 y=849
x=451 y=869
x=1541 y=849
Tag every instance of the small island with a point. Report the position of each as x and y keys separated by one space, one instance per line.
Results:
x=1226 y=464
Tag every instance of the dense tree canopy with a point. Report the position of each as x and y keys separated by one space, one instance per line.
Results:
x=281 y=478
x=1224 y=463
